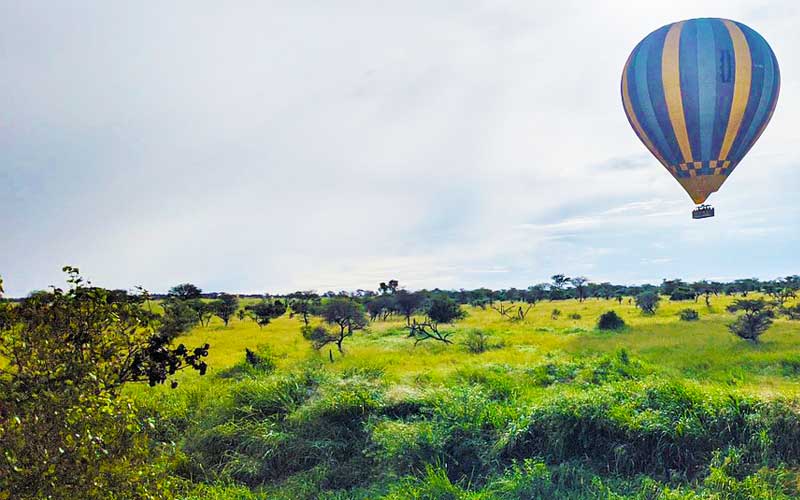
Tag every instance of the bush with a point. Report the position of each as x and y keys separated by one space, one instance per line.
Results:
x=610 y=321
x=256 y=363
x=575 y=316
x=689 y=315
x=682 y=293
x=555 y=314
x=654 y=428
x=477 y=341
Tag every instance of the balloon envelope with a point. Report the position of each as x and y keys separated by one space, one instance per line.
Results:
x=699 y=93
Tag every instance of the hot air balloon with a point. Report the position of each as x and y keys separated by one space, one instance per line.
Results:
x=699 y=94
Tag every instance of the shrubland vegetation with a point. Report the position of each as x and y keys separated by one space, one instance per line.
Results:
x=608 y=392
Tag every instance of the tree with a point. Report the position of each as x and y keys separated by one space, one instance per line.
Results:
x=755 y=320
x=266 y=310
x=67 y=430
x=668 y=287
x=380 y=307
x=347 y=315
x=388 y=288
x=706 y=289
x=535 y=293
x=408 y=303
x=579 y=283
x=557 y=287
x=225 y=307
x=648 y=302
x=304 y=304
x=780 y=293
x=745 y=286
x=204 y=310
x=185 y=291
x=440 y=310
x=178 y=319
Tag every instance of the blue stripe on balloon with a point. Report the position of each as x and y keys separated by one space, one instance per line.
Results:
x=725 y=75
x=766 y=100
x=687 y=62
x=655 y=86
x=758 y=57
x=707 y=85
x=640 y=98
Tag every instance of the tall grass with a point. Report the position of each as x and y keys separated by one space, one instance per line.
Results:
x=556 y=409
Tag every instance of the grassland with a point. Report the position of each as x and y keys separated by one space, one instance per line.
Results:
x=538 y=415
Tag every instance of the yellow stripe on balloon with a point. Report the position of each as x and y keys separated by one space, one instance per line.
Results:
x=671 y=77
x=741 y=86
x=626 y=100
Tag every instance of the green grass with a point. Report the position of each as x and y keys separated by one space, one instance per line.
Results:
x=662 y=408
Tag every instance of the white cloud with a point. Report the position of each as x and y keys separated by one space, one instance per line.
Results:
x=277 y=147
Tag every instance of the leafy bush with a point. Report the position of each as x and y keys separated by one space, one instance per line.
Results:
x=610 y=321
x=658 y=429
x=555 y=314
x=575 y=316
x=682 y=293
x=477 y=341
x=67 y=430
x=689 y=315
x=255 y=364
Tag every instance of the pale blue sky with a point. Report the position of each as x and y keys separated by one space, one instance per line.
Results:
x=273 y=146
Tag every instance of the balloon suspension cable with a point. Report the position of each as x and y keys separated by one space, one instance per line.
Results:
x=703 y=212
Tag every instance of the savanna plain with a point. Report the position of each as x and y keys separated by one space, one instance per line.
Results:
x=545 y=406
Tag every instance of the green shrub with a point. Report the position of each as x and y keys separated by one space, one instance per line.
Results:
x=477 y=341
x=689 y=315
x=610 y=321
x=256 y=363
x=660 y=429
x=555 y=314
x=575 y=316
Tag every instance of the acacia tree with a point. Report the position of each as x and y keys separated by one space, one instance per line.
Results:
x=440 y=310
x=304 y=304
x=344 y=313
x=178 y=319
x=779 y=293
x=265 y=311
x=557 y=287
x=755 y=320
x=579 y=283
x=66 y=429
x=204 y=310
x=380 y=307
x=535 y=293
x=225 y=307
x=185 y=291
x=407 y=303
x=388 y=288
x=648 y=302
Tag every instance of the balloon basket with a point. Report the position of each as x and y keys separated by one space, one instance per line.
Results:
x=703 y=212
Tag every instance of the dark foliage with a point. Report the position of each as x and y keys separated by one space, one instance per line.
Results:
x=756 y=318
x=648 y=302
x=689 y=315
x=266 y=310
x=610 y=321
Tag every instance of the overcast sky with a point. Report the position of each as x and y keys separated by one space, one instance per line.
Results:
x=274 y=146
